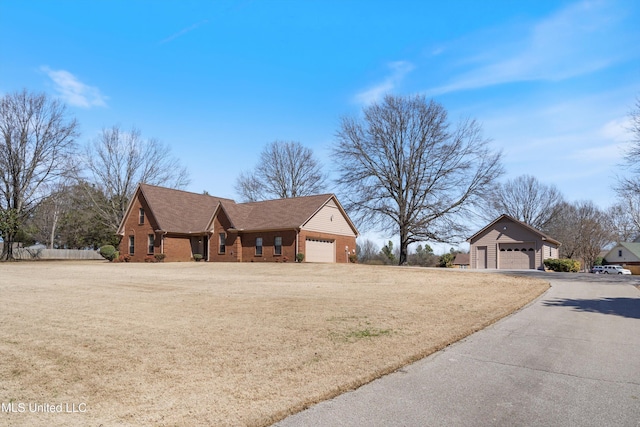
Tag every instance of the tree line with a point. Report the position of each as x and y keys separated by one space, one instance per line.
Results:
x=54 y=192
x=402 y=168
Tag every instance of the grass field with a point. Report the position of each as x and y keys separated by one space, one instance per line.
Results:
x=221 y=344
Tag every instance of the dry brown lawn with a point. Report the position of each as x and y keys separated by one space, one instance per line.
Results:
x=221 y=344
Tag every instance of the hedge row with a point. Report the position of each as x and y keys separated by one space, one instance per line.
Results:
x=563 y=265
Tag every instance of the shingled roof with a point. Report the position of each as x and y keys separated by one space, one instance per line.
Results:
x=274 y=214
x=522 y=224
x=177 y=211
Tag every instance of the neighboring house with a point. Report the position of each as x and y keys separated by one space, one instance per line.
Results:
x=461 y=261
x=627 y=253
x=181 y=224
x=507 y=243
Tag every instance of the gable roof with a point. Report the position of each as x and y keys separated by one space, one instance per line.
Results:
x=183 y=212
x=520 y=223
x=168 y=208
x=278 y=214
x=633 y=247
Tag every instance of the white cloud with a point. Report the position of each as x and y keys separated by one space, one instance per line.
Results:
x=617 y=130
x=73 y=91
x=399 y=70
x=574 y=41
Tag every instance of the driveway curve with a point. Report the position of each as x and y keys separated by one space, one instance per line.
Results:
x=572 y=357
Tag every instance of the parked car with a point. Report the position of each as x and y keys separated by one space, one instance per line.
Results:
x=614 y=269
x=597 y=269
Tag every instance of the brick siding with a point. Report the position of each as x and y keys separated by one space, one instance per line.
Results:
x=140 y=232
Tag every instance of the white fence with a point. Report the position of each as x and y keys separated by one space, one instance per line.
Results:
x=35 y=253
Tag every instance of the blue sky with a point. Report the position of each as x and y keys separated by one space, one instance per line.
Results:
x=551 y=82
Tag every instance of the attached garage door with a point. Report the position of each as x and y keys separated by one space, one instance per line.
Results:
x=320 y=250
x=517 y=256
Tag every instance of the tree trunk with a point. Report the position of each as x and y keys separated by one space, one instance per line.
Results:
x=54 y=225
x=404 y=247
x=7 y=250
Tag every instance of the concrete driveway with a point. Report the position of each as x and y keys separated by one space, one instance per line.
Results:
x=571 y=358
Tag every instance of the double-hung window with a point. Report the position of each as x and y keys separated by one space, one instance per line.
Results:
x=222 y=242
x=132 y=246
x=141 y=216
x=151 y=242
x=258 y=245
x=277 y=246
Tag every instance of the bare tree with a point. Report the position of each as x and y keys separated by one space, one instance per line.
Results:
x=628 y=186
x=46 y=218
x=401 y=167
x=525 y=199
x=37 y=141
x=624 y=217
x=367 y=250
x=118 y=161
x=286 y=169
x=634 y=115
x=584 y=231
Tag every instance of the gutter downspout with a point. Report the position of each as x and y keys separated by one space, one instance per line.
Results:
x=297 y=244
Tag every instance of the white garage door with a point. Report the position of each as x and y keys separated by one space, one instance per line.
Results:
x=516 y=256
x=320 y=250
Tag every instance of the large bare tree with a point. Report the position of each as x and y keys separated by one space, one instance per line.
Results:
x=403 y=167
x=118 y=161
x=286 y=169
x=629 y=185
x=37 y=141
x=525 y=199
x=625 y=218
x=584 y=231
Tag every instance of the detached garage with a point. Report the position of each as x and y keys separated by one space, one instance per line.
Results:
x=509 y=244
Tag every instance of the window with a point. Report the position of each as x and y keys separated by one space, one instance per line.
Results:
x=277 y=246
x=222 y=242
x=620 y=252
x=131 y=245
x=141 y=219
x=151 y=241
x=259 y=246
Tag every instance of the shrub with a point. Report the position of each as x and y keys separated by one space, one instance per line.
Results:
x=299 y=257
x=353 y=258
x=108 y=252
x=149 y=258
x=197 y=257
x=562 y=265
x=159 y=257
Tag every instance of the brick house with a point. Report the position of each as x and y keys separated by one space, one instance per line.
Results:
x=181 y=224
x=507 y=243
